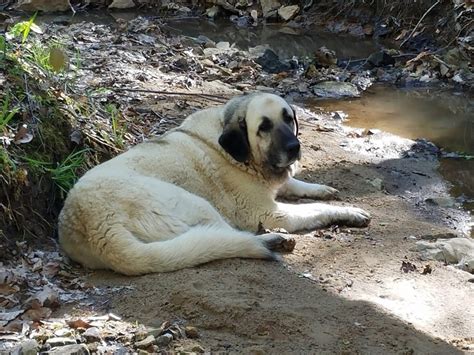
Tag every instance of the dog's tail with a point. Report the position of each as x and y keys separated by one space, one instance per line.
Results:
x=128 y=255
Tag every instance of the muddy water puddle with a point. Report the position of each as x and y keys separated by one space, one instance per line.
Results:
x=445 y=118
x=284 y=40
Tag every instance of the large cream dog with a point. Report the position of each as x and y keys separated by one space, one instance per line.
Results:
x=198 y=193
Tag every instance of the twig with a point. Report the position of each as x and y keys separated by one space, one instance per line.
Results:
x=72 y=8
x=421 y=19
x=217 y=98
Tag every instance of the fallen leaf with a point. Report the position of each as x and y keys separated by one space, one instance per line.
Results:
x=78 y=323
x=51 y=269
x=47 y=297
x=57 y=59
x=23 y=135
x=36 y=314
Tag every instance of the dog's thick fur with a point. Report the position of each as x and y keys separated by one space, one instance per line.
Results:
x=198 y=193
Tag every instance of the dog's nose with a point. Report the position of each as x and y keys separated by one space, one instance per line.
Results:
x=293 y=149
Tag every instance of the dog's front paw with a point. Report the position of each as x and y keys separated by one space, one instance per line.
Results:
x=356 y=217
x=323 y=192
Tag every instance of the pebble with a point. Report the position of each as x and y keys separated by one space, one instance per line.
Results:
x=377 y=183
x=63 y=332
x=92 y=334
x=59 y=341
x=145 y=343
x=29 y=347
x=164 y=340
x=191 y=332
x=75 y=349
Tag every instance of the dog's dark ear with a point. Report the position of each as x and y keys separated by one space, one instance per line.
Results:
x=235 y=141
x=296 y=121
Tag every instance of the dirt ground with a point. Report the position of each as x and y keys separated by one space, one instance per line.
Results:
x=341 y=290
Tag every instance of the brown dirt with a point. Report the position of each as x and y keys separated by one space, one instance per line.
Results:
x=341 y=290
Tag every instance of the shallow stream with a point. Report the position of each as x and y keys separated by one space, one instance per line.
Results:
x=444 y=118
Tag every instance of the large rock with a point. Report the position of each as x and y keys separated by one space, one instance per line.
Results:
x=381 y=59
x=271 y=63
x=335 y=89
x=76 y=349
x=29 y=347
x=60 y=341
x=458 y=251
x=287 y=13
x=268 y=6
x=43 y=5
x=122 y=4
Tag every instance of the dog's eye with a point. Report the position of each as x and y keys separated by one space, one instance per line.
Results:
x=287 y=118
x=266 y=125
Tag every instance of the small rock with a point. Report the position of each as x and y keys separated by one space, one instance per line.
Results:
x=325 y=57
x=63 y=332
x=447 y=202
x=372 y=131
x=43 y=5
x=213 y=12
x=29 y=347
x=115 y=349
x=76 y=349
x=164 y=340
x=233 y=64
x=335 y=89
x=458 y=251
x=191 y=332
x=59 y=341
x=339 y=115
x=92 y=334
x=223 y=45
x=146 y=39
x=287 y=13
x=458 y=79
x=206 y=41
x=122 y=4
x=377 y=183
x=254 y=15
x=268 y=6
x=443 y=69
x=381 y=59
x=145 y=343
x=197 y=349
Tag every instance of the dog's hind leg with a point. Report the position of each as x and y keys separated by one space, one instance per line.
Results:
x=128 y=255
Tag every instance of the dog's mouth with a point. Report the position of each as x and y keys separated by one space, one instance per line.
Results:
x=280 y=166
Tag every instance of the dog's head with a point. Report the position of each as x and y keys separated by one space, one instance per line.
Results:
x=261 y=128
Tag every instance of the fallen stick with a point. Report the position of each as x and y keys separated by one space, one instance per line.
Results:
x=159 y=92
x=421 y=19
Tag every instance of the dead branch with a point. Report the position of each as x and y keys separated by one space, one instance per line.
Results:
x=217 y=98
x=421 y=19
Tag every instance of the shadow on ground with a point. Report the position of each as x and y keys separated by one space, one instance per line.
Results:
x=245 y=305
